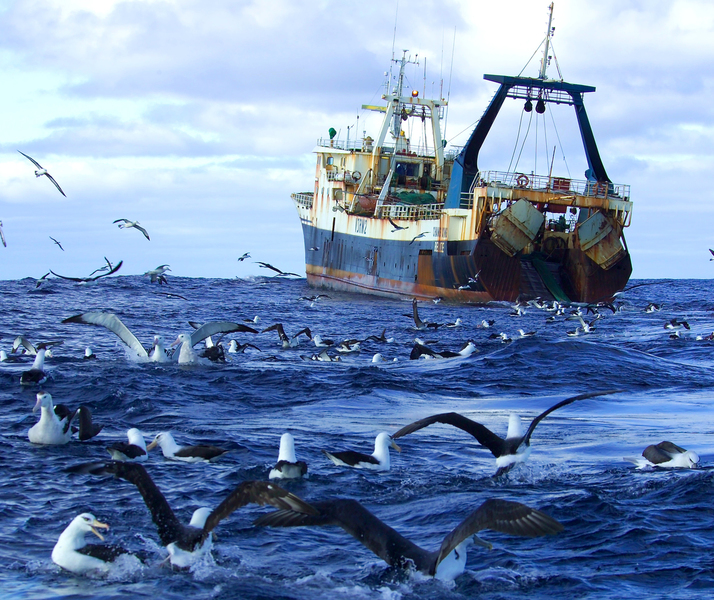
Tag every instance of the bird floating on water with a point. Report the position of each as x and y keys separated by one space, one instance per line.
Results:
x=40 y=171
x=377 y=461
x=50 y=430
x=288 y=466
x=665 y=455
x=133 y=450
x=173 y=451
x=74 y=554
x=126 y=224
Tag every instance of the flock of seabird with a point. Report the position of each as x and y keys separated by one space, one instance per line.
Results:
x=187 y=543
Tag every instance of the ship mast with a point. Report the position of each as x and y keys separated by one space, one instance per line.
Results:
x=397 y=121
x=549 y=32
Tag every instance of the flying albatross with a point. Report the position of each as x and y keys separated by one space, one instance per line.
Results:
x=73 y=553
x=377 y=461
x=666 y=455
x=515 y=448
x=288 y=342
x=91 y=277
x=187 y=543
x=173 y=451
x=126 y=224
x=40 y=171
x=446 y=563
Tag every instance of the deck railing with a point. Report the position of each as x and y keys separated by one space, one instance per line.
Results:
x=555 y=185
x=303 y=199
x=412 y=212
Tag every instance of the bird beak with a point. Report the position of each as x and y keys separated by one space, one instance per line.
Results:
x=96 y=523
x=38 y=404
x=394 y=445
x=152 y=445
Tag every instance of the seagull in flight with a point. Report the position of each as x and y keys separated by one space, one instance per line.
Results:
x=278 y=271
x=40 y=171
x=396 y=227
x=90 y=278
x=56 y=242
x=126 y=223
x=416 y=237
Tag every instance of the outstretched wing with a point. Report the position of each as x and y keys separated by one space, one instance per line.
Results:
x=111 y=271
x=113 y=324
x=482 y=433
x=32 y=160
x=269 y=266
x=52 y=179
x=504 y=516
x=218 y=327
x=140 y=228
x=257 y=492
x=541 y=416
x=361 y=524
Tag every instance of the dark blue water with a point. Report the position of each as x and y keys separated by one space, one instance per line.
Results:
x=628 y=532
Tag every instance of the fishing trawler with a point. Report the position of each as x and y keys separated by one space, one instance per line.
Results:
x=392 y=218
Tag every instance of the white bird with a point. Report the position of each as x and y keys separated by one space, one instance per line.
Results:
x=288 y=466
x=159 y=353
x=157 y=273
x=71 y=552
x=173 y=451
x=40 y=171
x=2 y=236
x=50 y=430
x=377 y=461
x=126 y=224
x=666 y=455
x=133 y=450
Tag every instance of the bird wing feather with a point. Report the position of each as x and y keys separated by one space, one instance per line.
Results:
x=113 y=324
x=504 y=516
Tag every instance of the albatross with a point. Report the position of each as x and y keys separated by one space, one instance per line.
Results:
x=50 y=430
x=173 y=451
x=449 y=560
x=666 y=455
x=514 y=448
x=288 y=466
x=377 y=461
x=133 y=450
x=126 y=224
x=186 y=354
x=188 y=543
x=40 y=171
x=91 y=277
x=73 y=553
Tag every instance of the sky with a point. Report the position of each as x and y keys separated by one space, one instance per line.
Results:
x=198 y=119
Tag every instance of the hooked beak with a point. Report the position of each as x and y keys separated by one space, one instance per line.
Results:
x=176 y=343
x=152 y=445
x=95 y=524
x=38 y=404
x=394 y=445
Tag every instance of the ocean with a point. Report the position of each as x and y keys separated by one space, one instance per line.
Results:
x=628 y=532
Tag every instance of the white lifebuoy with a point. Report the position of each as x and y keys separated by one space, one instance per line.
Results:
x=356 y=175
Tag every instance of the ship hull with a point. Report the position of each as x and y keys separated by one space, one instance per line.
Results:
x=474 y=271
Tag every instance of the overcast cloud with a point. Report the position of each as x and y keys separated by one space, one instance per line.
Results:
x=198 y=118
